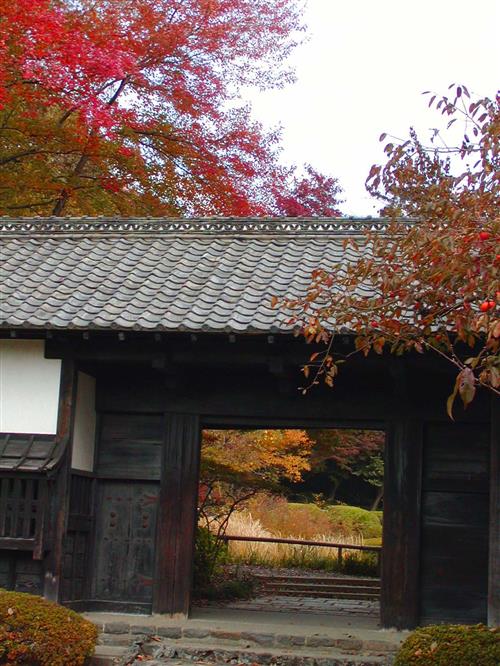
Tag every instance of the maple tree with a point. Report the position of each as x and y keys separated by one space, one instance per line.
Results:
x=430 y=281
x=235 y=464
x=132 y=107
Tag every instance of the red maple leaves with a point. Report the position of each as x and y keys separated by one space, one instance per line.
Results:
x=146 y=93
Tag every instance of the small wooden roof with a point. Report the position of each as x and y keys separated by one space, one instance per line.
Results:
x=28 y=453
x=213 y=275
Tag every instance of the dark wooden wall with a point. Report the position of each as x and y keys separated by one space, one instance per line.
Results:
x=455 y=519
x=130 y=445
x=494 y=558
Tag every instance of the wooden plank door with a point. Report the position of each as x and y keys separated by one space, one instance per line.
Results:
x=125 y=544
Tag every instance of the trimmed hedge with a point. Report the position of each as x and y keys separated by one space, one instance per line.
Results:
x=354 y=519
x=451 y=645
x=37 y=632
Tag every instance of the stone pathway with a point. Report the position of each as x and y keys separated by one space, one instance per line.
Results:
x=288 y=604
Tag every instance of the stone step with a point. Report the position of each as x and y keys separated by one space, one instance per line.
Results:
x=119 y=635
x=317 y=580
x=107 y=655
x=321 y=587
x=217 y=652
x=317 y=593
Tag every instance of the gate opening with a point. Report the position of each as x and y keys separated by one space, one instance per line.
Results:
x=290 y=520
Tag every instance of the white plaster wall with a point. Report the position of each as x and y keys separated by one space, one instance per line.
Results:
x=84 y=428
x=29 y=388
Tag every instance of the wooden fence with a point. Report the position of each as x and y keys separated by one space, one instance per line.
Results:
x=341 y=547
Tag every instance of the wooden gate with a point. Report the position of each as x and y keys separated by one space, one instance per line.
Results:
x=124 y=545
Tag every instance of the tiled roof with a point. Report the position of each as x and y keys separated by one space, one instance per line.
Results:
x=28 y=453
x=214 y=275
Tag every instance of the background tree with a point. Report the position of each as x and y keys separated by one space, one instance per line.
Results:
x=132 y=107
x=433 y=279
x=341 y=454
x=371 y=470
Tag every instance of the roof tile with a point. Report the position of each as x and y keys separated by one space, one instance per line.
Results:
x=211 y=275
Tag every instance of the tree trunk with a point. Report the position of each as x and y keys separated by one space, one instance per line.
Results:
x=64 y=196
x=333 y=494
x=376 y=501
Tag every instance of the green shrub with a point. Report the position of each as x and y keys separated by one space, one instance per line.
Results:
x=222 y=589
x=210 y=553
x=364 y=564
x=353 y=519
x=451 y=645
x=40 y=633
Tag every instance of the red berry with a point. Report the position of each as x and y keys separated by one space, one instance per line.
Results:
x=484 y=235
x=374 y=324
x=485 y=306
x=491 y=304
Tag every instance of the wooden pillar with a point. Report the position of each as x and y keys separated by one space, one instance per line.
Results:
x=60 y=499
x=177 y=515
x=401 y=534
x=494 y=554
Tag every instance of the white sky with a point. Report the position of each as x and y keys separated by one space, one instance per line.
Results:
x=362 y=73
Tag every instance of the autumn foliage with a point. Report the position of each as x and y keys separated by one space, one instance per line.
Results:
x=266 y=456
x=133 y=107
x=236 y=464
x=429 y=282
x=41 y=633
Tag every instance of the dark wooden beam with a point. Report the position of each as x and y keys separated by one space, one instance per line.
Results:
x=400 y=598
x=288 y=423
x=60 y=499
x=7 y=543
x=494 y=555
x=177 y=515
x=243 y=394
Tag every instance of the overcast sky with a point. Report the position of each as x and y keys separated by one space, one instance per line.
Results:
x=362 y=73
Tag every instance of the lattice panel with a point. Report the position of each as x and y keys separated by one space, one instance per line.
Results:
x=20 y=507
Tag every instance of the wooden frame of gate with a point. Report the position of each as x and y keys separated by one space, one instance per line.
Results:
x=254 y=389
